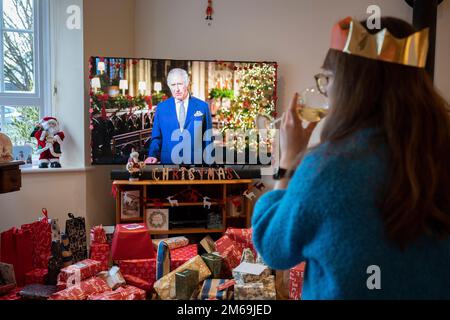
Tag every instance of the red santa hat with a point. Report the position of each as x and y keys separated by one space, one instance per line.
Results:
x=47 y=119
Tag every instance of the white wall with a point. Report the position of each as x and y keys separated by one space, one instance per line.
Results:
x=296 y=33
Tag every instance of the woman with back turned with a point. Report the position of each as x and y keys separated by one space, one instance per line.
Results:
x=376 y=190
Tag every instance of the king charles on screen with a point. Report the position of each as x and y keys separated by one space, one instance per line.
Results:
x=182 y=126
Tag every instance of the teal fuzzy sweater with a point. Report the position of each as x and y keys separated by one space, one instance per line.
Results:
x=329 y=217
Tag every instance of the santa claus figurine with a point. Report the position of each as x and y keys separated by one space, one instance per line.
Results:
x=134 y=166
x=49 y=140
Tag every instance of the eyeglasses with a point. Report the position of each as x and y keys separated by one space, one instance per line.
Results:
x=322 y=81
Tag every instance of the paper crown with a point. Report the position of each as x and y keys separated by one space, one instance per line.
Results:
x=351 y=37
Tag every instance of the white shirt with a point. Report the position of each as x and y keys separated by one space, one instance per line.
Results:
x=178 y=106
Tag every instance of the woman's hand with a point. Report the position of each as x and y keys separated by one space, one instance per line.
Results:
x=294 y=139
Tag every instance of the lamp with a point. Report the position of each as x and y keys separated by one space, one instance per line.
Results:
x=157 y=87
x=142 y=87
x=123 y=85
x=101 y=67
x=95 y=84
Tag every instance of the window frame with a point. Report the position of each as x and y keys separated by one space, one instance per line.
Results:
x=41 y=98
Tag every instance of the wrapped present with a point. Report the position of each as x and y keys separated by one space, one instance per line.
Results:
x=100 y=252
x=7 y=277
x=113 y=278
x=91 y=286
x=165 y=287
x=211 y=289
x=37 y=292
x=223 y=244
x=185 y=283
x=208 y=244
x=138 y=282
x=162 y=260
x=79 y=271
x=55 y=263
x=109 y=232
x=65 y=250
x=180 y=256
x=248 y=256
x=214 y=263
x=76 y=231
x=36 y=276
x=231 y=259
x=242 y=238
x=296 y=276
x=12 y=295
x=251 y=272
x=264 y=290
x=132 y=242
x=41 y=241
x=144 y=269
x=122 y=293
x=98 y=235
x=172 y=243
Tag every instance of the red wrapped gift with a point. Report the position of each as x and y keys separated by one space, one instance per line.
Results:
x=132 y=242
x=138 y=282
x=180 y=256
x=296 y=276
x=100 y=253
x=144 y=269
x=98 y=235
x=242 y=238
x=85 y=269
x=42 y=242
x=86 y=288
x=122 y=293
x=224 y=243
x=231 y=259
x=36 y=276
x=12 y=295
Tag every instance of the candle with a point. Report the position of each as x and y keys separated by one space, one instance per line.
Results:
x=158 y=86
x=142 y=87
x=95 y=84
x=123 y=85
x=101 y=67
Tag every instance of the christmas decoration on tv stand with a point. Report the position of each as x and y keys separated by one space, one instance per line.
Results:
x=49 y=140
x=134 y=166
x=209 y=12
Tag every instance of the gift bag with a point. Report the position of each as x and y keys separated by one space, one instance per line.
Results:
x=42 y=239
x=76 y=231
x=17 y=249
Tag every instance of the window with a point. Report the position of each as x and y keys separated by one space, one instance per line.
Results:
x=24 y=82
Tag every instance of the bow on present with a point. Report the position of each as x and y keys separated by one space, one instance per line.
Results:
x=98 y=235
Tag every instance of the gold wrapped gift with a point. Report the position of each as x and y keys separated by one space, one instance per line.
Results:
x=264 y=290
x=165 y=287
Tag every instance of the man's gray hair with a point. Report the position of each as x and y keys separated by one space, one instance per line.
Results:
x=178 y=72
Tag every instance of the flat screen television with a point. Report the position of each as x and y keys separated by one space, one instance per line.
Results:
x=137 y=104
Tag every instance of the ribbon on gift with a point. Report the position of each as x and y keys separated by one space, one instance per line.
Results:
x=162 y=260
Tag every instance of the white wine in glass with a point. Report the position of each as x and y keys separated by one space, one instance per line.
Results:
x=312 y=105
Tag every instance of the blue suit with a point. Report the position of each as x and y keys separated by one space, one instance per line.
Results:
x=166 y=134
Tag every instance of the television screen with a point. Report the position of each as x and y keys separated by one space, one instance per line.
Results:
x=181 y=111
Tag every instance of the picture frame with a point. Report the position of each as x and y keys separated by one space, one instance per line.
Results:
x=130 y=201
x=157 y=219
x=25 y=154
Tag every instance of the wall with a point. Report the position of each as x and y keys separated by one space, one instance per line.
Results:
x=108 y=31
x=293 y=32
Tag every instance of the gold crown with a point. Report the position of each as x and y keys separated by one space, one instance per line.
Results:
x=351 y=37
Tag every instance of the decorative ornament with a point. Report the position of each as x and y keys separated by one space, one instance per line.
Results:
x=350 y=36
x=6 y=149
x=260 y=185
x=49 y=140
x=206 y=202
x=173 y=203
x=134 y=166
x=249 y=194
x=209 y=12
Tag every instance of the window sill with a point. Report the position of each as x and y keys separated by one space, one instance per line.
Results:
x=36 y=170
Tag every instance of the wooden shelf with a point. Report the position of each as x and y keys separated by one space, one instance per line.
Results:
x=188 y=231
x=183 y=204
x=180 y=182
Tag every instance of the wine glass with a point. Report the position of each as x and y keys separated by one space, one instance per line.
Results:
x=313 y=105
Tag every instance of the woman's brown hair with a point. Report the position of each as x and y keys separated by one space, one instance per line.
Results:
x=414 y=119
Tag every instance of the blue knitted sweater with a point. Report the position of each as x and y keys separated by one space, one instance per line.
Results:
x=329 y=217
